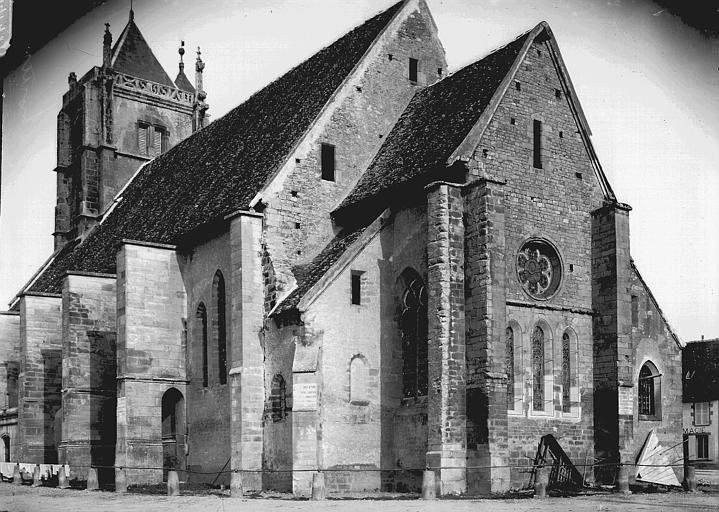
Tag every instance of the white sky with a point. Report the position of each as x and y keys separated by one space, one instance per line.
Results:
x=649 y=86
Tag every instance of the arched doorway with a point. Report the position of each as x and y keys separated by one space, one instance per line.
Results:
x=173 y=432
x=6 y=448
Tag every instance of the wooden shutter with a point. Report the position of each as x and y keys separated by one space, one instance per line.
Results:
x=157 y=142
x=142 y=139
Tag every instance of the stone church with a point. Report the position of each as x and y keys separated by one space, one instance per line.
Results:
x=370 y=267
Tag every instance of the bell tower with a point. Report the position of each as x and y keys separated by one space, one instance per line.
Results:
x=114 y=119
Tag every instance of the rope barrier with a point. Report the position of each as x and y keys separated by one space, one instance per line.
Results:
x=354 y=470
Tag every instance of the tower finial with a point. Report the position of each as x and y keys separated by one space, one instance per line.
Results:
x=200 y=105
x=181 y=51
x=132 y=13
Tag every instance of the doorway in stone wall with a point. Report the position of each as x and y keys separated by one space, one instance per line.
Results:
x=173 y=433
x=6 y=449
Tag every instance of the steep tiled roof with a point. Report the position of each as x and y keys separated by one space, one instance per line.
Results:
x=133 y=56
x=183 y=83
x=700 y=371
x=308 y=275
x=219 y=169
x=434 y=124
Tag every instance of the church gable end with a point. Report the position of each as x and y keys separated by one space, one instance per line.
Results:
x=345 y=136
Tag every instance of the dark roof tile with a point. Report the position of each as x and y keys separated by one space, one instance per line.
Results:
x=133 y=56
x=308 y=275
x=434 y=124
x=219 y=169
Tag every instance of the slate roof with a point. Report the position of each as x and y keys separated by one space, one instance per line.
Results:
x=435 y=123
x=183 y=83
x=309 y=274
x=219 y=169
x=700 y=371
x=133 y=56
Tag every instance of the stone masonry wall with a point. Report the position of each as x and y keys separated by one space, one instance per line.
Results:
x=89 y=374
x=446 y=398
x=246 y=365
x=355 y=122
x=553 y=202
x=277 y=432
x=652 y=340
x=385 y=437
x=40 y=378
x=209 y=425
x=9 y=358
x=151 y=308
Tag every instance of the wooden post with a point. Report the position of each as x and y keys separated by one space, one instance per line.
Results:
x=36 y=478
x=690 y=479
x=120 y=481
x=173 y=484
x=319 y=492
x=429 y=485
x=541 y=482
x=62 y=479
x=16 y=475
x=623 y=479
x=92 y=482
x=236 y=484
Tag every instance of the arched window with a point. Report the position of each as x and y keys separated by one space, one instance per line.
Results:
x=358 y=381
x=220 y=324
x=538 y=369
x=201 y=329
x=566 y=373
x=509 y=364
x=413 y=323
x=278 y=399
x=649 y=387
x=6 y=448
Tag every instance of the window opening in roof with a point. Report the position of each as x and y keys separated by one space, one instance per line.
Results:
x=356 y=286
x=537 y=144
x=328 y=162
x=413 y=64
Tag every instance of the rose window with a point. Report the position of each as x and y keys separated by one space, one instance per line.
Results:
x=539 y=268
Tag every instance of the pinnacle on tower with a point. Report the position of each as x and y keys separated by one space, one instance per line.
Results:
x=182 y=82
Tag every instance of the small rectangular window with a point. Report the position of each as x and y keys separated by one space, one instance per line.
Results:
x=703 y=446
x=701 y=414
x=142 y=138
x=356 y=288
x=635 y=311
x=537 y=144
x=328 y=162
x=558 y=94
x=413 y=63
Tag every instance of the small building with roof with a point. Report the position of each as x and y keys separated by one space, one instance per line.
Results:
x=700 y=396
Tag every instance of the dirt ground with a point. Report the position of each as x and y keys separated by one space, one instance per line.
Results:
x=29 y=499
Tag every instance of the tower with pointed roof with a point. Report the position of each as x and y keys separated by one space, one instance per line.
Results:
x=114 y=119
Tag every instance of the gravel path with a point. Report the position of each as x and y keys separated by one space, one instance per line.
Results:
x=28 y=499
